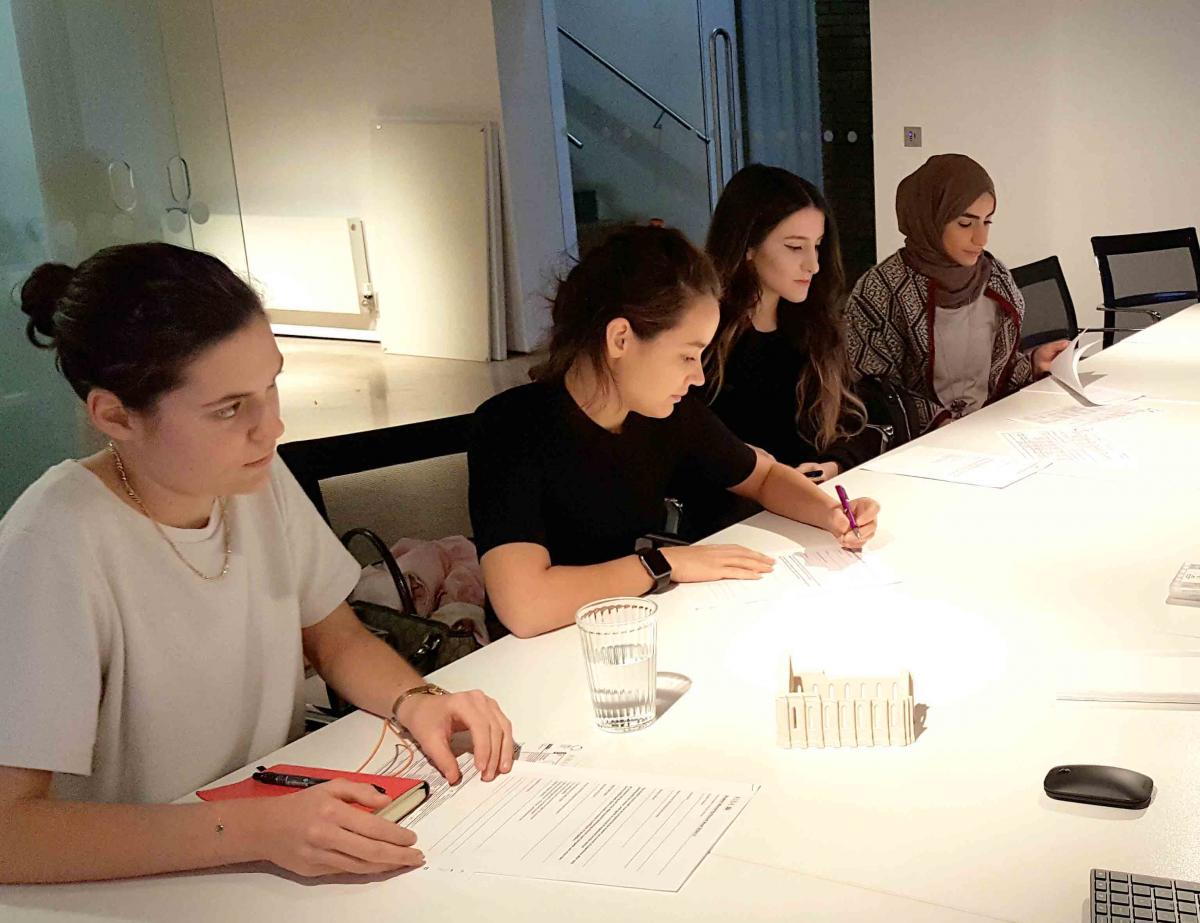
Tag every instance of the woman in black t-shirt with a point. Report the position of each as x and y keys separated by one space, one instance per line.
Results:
x=567 y=472
x=779 y=373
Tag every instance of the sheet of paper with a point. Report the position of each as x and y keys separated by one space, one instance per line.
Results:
x=955 y=465
x=1065 y=370
x=594 y=826
x=823 y=568
x=394 y=762
x=1169 y=679
x=1079 y=416
x=1077 y=446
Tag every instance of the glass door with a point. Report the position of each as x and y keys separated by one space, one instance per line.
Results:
x=652 y=110
x=113 y=131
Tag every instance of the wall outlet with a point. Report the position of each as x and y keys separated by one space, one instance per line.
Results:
x=912 y=136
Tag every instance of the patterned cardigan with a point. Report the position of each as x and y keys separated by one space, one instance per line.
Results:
x=889 y=333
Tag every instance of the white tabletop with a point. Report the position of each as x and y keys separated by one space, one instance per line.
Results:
x=999 y=587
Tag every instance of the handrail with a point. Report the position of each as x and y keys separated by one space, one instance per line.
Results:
x=612 y=69
x=718 y=129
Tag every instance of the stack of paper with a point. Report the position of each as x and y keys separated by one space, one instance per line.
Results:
x=1078 y=415
x=1164 y=679
x=1079 y=446
x=405 y=760
x=587 y=825
x=954 y=465
x=815 y=568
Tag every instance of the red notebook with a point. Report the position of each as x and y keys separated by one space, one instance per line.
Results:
x=394 y=786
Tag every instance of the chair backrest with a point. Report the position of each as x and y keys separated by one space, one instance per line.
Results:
x=313 y=460
x=1049 y=310
x=1159 y=269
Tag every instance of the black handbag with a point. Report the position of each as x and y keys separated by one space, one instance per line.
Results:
x=425 y=643
x=886 y=411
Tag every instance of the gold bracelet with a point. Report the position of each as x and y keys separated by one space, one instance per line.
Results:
x=424 y=689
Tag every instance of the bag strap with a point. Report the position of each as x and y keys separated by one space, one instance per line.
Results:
x=389 y=561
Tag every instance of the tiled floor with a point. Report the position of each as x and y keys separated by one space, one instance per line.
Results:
x=330 y=387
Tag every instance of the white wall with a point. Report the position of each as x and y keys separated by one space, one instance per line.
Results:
x=540 y=230
x=1087 y=116
x=303 y=83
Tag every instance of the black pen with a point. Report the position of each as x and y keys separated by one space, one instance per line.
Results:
x=290 y=781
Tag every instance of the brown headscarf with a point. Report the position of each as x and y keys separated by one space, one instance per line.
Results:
x=927 y=200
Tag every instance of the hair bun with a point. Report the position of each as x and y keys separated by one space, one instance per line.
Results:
x=40 y=296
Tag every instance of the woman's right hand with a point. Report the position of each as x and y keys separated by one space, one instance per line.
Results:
x=700 y=563
x=319 y=831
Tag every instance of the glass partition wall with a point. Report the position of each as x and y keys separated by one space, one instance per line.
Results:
x=112 y=130
x=653 y=111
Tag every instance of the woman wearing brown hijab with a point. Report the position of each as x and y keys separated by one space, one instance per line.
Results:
x=940 y=319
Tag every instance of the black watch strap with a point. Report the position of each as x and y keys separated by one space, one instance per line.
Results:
x=657 y=567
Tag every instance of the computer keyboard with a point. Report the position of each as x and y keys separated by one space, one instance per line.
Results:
x=1119 y=897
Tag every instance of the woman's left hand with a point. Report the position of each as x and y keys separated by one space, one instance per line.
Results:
x=1045 y=354
x=866 y=513
x=824 y=471
x=433 y=719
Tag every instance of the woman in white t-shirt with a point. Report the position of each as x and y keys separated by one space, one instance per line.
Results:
x=161 y=595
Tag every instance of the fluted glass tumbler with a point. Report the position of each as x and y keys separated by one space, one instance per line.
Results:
x=620 y=647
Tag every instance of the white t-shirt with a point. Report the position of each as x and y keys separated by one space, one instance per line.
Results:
x=124 y=673
x=963 y=341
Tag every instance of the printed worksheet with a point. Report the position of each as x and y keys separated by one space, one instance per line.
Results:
x=1077 y=446
x=824 y=568
x=956 y=466
x=404 y=759
x=1078 y=416
x=595 y=826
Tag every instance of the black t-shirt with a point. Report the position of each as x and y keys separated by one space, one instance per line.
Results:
x=758 y=402
x=542 y=471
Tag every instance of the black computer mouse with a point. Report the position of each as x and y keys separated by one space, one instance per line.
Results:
x=1109 y=786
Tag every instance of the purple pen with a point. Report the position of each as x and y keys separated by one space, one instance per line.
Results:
x=841 y=492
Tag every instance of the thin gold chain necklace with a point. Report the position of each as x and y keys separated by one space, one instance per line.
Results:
x=132 y=494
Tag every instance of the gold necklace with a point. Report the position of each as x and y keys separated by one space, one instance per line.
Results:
x=145 y=512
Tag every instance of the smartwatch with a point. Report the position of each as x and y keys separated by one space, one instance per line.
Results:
x=656 y=566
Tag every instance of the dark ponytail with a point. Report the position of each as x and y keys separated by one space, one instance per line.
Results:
x=129 y=318
x=647 y=275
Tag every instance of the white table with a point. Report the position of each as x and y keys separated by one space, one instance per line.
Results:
x=998 y=586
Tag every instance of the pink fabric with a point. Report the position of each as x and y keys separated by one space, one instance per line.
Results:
x=440 y=572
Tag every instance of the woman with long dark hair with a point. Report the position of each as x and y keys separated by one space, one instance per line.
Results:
x=778 y=369
x=568 y=472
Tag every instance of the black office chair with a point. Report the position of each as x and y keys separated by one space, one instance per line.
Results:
x=1049 y=310
x=313 y=460
x=1155 y=274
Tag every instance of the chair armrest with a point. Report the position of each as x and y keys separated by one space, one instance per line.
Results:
x=1110 y=329
x=1154 y=315
x=659 y=540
